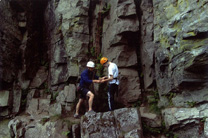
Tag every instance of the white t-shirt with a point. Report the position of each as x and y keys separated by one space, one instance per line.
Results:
x=113 y=70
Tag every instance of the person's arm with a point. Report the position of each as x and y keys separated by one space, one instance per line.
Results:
x=108 y=79
x=96 y=81
x=88 y=80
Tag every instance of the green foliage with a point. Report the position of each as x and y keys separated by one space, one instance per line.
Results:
x=23 y=102
x=69 y=123
x=66 y=133
x=55 y=117
x=51 y=118
x=137 y=103
x=56 y=3
x=106 y=9
x=149 y=130
x=141 y=75
x=203 y=119
x=44 y=63
x=44 y=120
x=191 y=104
x=153 y=101
x=91 y=40
x=166 y=132
x=46 y=89
x=99 y=68
x=54 y=95
x=24 y=98
x=170 y=96
x=92 y=51
x=158 y=130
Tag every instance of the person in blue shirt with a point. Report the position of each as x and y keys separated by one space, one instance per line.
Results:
x=87 y=78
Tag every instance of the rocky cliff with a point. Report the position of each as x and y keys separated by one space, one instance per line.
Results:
x=159 y=46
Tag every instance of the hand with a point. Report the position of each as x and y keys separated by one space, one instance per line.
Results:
x=104 y=77
x=102 y=81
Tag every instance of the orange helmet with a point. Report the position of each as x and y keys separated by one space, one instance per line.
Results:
x=103 y=60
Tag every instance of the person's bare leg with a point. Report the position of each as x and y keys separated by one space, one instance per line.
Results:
x=78 y=106
x=91 y=97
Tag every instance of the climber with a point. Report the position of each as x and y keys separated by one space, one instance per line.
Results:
x=112 y=78
x=87 y=77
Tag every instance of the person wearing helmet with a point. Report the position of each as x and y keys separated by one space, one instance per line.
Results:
x=87 y=78
x=112 y=78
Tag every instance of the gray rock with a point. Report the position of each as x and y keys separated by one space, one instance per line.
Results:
x=68 y=95
x=180 y=117
x=44 y=105
x=206 y=128
x=33 y=106
x=129 y=88
x=121 y=122
x=133 y=134
x=151 y=119
x=55 y=109
x=40 y=78
x=127 y=119
x=21 y=127
x=4 y=131
x=69 y=34
x=76 y=130
x=186 y=97
x=17 y=100
x=4 y=98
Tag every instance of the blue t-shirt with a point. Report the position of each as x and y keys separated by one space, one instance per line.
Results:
x=86 y=78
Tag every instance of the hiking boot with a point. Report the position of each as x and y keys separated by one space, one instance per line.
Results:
x=76 y=116
x=91 y=111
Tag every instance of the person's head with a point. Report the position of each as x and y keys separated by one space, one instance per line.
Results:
x=90 y=65
x=104 y=61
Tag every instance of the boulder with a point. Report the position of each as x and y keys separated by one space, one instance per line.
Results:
x=122 y=122
x=151 y=119
x=17 y=99
x=41 y=127
x=68 y=95
x=181 y=117
x=4 y=98
x=4 y=131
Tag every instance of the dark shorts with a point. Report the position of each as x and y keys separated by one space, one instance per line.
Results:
x=83 y=93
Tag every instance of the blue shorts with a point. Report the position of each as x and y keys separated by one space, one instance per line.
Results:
x=83 y=93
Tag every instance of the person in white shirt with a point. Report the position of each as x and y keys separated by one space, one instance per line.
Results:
x=112 y=78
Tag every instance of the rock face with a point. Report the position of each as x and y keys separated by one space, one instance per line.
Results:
x=68 y=37
x=22 y=51
x=159 y=46
x=120 y=46
x=119 y=123
x=181 y=63
x=22 y=127
x=4 y=132
x=147 y=45
x=123 y=122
